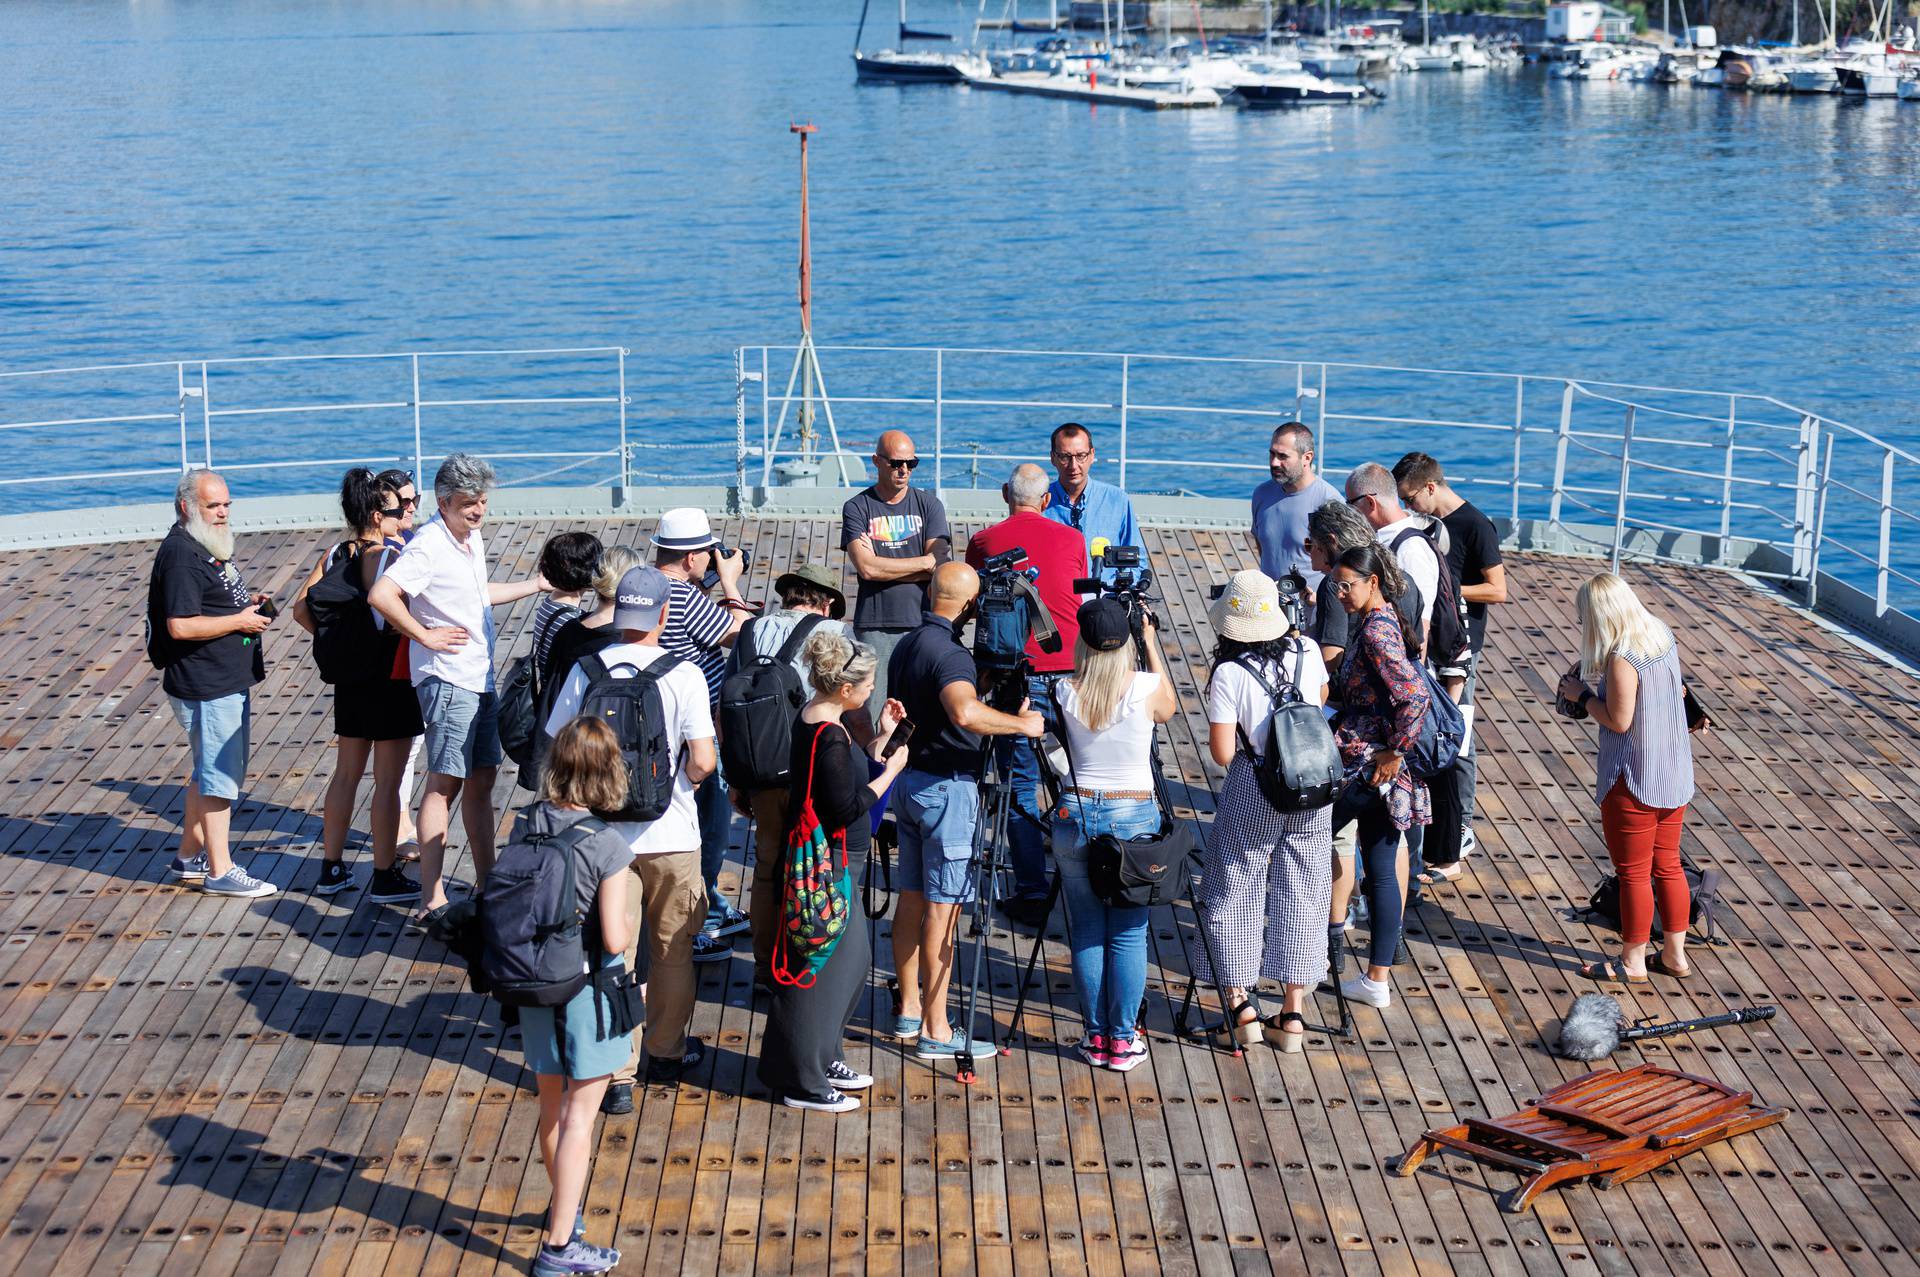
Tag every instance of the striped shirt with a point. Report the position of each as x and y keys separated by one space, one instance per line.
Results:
x=695 y=626
x=1654 y=756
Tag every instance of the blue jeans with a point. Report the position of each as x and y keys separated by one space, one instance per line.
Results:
x=1378 y=854
x=1027 y=824
x=716 y=824
x=217 y=733
x=1109 y=944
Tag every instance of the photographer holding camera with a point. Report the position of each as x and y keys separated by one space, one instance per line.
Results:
x=1056 y=556
x=937 y=803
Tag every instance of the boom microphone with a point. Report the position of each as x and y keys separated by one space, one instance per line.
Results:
x=1596 y=1026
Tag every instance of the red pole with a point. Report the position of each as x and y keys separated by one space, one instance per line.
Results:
x=806 y=238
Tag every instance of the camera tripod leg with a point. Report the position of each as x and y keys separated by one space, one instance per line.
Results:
x=989 y=838
x=1033 y=958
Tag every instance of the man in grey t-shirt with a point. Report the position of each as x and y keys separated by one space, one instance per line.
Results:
x=1281 y=505
x=896 y=536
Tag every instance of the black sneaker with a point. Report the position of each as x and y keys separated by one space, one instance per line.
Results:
x=669 y=1072
x=707 y=949
x=391 y=885
x=335 y=878
x=618 y=1101
x=1028 y=911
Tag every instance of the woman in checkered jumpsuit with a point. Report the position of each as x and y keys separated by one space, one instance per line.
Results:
x=1269 y=874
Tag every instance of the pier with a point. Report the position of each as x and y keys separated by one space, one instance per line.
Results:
x=299 y=1085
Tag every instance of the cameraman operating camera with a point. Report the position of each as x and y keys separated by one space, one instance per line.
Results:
x=937 y=803
x=1003 y=635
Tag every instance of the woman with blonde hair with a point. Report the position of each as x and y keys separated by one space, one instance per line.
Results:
x=1108 y=709
x=1645 y=770
x=801 y=1050
x=574 y=1049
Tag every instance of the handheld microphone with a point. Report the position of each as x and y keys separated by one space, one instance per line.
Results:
x=1098 y=549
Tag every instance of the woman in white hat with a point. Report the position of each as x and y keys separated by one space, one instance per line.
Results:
x=1269 y=873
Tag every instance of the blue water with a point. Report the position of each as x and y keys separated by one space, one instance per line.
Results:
x=229 y=179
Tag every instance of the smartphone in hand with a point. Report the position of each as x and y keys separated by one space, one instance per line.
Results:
x=902 y=733
x=268 y=608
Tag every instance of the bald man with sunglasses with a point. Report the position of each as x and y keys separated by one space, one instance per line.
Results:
x=896 y=535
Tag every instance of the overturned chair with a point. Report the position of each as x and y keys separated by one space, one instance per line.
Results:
x=1616 y=1125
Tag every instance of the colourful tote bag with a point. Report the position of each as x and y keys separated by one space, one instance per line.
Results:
x=816 y=898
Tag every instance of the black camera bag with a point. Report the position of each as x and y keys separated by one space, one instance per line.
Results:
x=1140 y=872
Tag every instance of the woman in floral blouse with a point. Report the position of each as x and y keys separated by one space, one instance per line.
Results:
x=1384 y=701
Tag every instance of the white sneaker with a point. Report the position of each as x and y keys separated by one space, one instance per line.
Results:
x=237 y=882
x=1374 y=993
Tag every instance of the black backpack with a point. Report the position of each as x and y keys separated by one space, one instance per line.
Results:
x=347 y=646
x=758 y=704
x=534 y=942
x=1703 y=893
x=1300 y=768
x=517 y=707
x=632 y=707
x=1447 y=637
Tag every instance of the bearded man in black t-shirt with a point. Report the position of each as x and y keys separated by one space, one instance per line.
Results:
x=204 y=632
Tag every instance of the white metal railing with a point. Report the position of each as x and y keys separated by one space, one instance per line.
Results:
x=1668 y=462
x=1650 y=464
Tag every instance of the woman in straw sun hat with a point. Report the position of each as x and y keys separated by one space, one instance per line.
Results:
x=1268 y=874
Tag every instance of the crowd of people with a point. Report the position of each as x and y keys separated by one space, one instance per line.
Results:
x=660 y=704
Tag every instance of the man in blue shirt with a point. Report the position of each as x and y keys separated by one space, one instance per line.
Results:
x=1096 y=510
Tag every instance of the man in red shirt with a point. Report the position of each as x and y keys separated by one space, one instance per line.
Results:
x=1059 y=554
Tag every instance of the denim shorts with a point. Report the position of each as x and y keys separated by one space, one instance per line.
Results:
x=462 y=731
x=217 y=738
x=937 y=816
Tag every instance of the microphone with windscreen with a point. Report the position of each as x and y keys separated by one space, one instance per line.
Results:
x=1596 y=1027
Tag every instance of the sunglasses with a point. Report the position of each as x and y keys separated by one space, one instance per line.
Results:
x=899 y=463
x=394 y=511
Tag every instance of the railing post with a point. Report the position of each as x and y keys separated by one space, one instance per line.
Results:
x=419 y=455
x=206 y=415
x=1519 y=437
x=1320 y=423
x=766 y=425
x=1126 y=371
x=1620 y=499
x=181 y=372
x=1886 y=534
x=626 y=457
x=939 y=419
x=740 y=428
x=1299 y=392
x=1819 y=525
x=1803 y=497
x=1560 y=455
x=1726 y=481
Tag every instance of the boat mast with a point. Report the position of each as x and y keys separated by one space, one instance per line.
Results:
x=862 y=28
x=903 y=44
x=1426 y=37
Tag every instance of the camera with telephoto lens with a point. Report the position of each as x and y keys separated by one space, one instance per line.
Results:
x=1119 y=573
x=720 y=551
x=1009 y=612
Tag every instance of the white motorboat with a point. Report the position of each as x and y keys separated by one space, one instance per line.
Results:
x=1323 y=57
x=1300 y=89
x=1812 y=75
x=906 y=66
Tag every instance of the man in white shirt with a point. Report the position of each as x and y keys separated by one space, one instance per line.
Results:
x=668 y=894
x=1372 y=491
x=438 y=596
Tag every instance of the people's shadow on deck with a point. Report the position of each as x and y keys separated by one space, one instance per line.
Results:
x=230 y=1163
x=258 y=825
x=453 y=1026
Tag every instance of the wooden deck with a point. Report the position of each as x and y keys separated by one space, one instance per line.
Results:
x=294 y=1085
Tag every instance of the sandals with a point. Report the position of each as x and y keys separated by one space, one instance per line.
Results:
x=1239 y=1030
x=1605 y=969
x=1289 y=1041
x=1433 y=875
x=1658 y=962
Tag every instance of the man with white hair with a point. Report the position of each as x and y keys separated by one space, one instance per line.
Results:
x=203 y=633
x=1059 y=554
x=1372 y=491
x=437 y=595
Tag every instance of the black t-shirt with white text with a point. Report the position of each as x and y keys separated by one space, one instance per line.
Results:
x=188 y=581
x=897 y=531
x=1474 y=546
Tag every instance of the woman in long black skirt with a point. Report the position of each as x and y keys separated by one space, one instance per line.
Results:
x=800 y=1052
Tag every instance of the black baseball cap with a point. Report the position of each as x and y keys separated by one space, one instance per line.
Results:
x=1104 y=624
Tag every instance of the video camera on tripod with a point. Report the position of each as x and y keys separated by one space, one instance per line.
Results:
x=1131 y=581
x=1010 y=612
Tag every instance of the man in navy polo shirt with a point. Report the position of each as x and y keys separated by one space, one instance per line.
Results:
x=936 y=801
x=1097 y=511
x=1059 y=555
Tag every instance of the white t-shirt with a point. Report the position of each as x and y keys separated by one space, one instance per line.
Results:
x=1120 y=755
x=1418 y=560
x=446 y=584
x=1235 y=695
x=683 y=698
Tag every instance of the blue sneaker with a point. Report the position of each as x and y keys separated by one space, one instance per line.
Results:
x=906 y=1028
x=574 y=1257
x=953 y=1046
x=237 y=882
x=184 y=870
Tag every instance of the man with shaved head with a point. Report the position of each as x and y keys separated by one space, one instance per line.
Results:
x=936 y=801
x=1059 y=554
x=896 y=535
